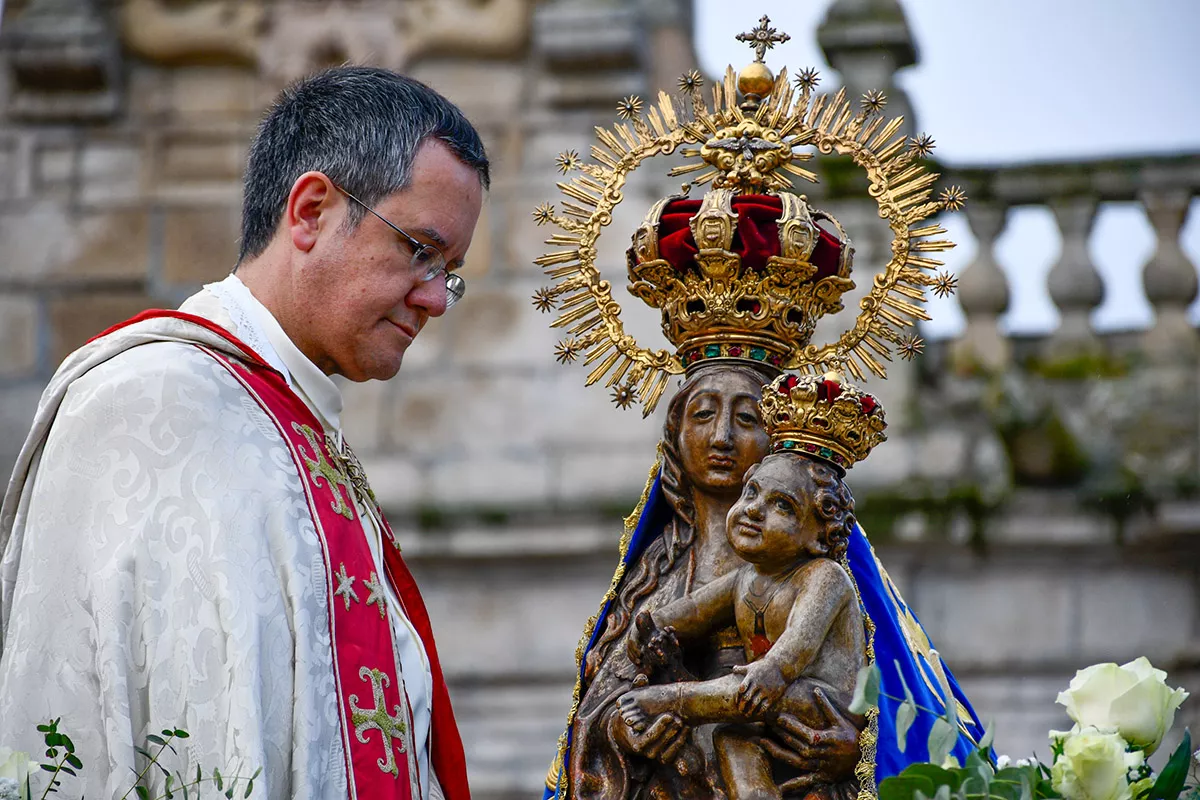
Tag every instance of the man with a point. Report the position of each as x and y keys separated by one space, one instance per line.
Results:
x=189 y=543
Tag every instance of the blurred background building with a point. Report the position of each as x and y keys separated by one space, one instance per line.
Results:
x=1038 y=500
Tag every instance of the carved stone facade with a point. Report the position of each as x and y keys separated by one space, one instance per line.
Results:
x=1036 y=500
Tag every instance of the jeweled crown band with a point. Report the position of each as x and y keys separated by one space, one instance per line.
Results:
x=822 y=416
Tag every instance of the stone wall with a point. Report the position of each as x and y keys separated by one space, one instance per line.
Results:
x=124 y=130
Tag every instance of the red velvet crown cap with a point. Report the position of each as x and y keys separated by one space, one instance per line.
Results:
x=755 y=240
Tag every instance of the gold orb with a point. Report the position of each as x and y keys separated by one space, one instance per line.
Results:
x=756 y=79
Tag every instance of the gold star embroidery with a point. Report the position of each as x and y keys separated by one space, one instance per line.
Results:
x=345 y=588
x=376 y=595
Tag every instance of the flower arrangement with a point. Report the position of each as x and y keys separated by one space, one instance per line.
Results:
x=1121 y=714
x=17 y=769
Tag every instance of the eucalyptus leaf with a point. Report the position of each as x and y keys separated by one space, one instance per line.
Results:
x=156 y=739
x=989 y=735
x=142 y=792
x=906 y=714
x=1174 y=774
x=866 y=690
x=908 y=695
x=942 y=738
x=937 y=776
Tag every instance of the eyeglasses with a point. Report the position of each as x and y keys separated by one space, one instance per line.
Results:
x=428 y=262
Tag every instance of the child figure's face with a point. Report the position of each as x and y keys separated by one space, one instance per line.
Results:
x=772 y=524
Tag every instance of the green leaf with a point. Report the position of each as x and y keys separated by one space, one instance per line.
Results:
x=989 y=735
x=180 y=733
x=1174 y=774
x=257 y=772
x=167 y=732
x=44 y=728
x=249 y=788
x=68 y=770
x=156 y=739
x=942 y=737
x=143 y=752
x=936 y=775
x=866 y=690
x=67 y=743
x=908 y=695
x=904 y=787
x=169 y=780
x=142 y=792
x=905 y=715
x=217 y=778
x=74 y=761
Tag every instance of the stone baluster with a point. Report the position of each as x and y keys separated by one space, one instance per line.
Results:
x=1169 y=278
x=983 y=294
x=1075 y=285
x=867 y=42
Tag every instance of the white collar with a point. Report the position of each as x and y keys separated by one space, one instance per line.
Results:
x=254 y=324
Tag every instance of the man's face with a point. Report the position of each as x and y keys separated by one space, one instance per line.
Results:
x=721 y=434
x=365 y=304
x=772 y=524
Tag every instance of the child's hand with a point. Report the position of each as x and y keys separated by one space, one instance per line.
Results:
x=761 y=688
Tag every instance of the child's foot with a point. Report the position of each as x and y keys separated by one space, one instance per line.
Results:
x=639 y=706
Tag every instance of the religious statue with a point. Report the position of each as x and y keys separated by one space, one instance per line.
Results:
x=747 y=598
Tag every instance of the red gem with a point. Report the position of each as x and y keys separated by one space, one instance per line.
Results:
x=783 y=417
x=788 y=384
x=868 y=404
x=774 y=360
x=735 y=351
x=755 y=307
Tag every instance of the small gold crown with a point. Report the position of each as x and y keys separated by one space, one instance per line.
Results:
x=822 y=416
x=717 y=304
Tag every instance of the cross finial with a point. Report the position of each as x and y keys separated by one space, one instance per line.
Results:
x=763 y=37
x=392 y=729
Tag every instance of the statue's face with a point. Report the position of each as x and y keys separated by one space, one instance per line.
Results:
x=773 y=524
x=721 y=434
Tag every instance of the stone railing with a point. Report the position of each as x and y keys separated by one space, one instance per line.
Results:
x=1078 y=435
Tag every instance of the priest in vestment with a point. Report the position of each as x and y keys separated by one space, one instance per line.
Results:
x=189 y=542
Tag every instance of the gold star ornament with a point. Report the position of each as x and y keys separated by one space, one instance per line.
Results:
x=690 y=81
x=630 y=107
x=874 y=101
x=567 y=160
x=566 y=351
x=922 y=145
x=953 y=198
x=543 y=300
x=944 y=284
x=622 y=396
x=911 y=346
x=807 y=79
x=543 y=213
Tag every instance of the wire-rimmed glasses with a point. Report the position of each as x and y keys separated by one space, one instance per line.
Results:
x=428 y=262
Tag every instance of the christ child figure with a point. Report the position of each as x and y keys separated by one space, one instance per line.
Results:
x=796 y=613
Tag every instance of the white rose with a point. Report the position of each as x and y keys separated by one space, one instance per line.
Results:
x=1132 y=699
x=1094 y=766
x=1002 y=762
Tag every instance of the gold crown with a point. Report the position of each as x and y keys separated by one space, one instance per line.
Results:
x=822 y=416
x=715 y=306
x=751 y=142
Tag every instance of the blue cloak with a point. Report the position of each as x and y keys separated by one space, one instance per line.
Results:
x=900 y=643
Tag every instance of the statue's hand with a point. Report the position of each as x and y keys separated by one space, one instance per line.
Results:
x=826 y=754
x=761 y=687
x=660 y=741
x=650 y=647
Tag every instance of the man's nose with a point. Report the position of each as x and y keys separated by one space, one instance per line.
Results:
x=429 y=295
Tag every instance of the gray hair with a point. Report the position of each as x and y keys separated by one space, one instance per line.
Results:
x=360 y=126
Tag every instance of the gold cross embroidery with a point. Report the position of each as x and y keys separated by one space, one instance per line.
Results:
x=345 y=588
x=377 y=719
x=319 y=468
x=376 y=595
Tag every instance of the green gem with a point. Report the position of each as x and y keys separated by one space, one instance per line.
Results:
x=712 y=351
x=789 y=444
x=757 y=353
x=826 y=453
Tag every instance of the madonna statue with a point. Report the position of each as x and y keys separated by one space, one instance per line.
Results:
x=723 y=660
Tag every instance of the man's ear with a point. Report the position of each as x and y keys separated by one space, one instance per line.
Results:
x=310 y=209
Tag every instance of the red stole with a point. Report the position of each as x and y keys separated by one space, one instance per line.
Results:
x=373 y=706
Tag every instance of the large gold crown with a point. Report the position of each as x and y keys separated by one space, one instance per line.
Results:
x=717 y=302
x=822 y=416
x=750 y=145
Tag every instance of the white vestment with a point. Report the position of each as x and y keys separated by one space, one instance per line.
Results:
x=161 y=568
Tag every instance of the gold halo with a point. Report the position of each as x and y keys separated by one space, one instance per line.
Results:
x=788 y=118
